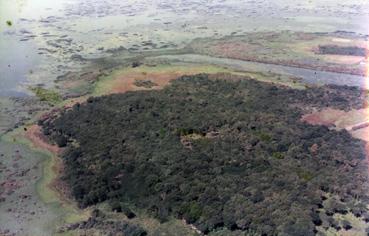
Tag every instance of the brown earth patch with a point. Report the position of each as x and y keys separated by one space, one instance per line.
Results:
x=354 y=121
x=39 y=140
x=233 y=49
x=362 y=134
x=126 y=82
x=341 y=119
x=69 y=104
x=327 y=117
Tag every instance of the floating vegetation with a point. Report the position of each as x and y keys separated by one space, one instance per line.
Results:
x=9 y=23
x=47 y=95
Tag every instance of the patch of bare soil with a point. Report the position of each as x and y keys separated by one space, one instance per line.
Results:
x=74 y=101
x=352 y=121
x=127 y=82
x=39 y=140
x=355 y=121
x=327 y=117
x=362 y=134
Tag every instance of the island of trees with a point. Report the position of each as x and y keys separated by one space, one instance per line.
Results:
x=222 y=154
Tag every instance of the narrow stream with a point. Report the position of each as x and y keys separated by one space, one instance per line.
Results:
x=307 y=75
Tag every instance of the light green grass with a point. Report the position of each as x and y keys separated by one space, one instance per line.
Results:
x=47 y=95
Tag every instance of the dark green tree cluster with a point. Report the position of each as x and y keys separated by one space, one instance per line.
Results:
x=338 y=50
x=266 y=171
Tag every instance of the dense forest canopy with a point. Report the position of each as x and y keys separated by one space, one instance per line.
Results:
x=219 y=153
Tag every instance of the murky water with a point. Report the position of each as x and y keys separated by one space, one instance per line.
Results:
x=308 y=76
x=47 y=36
x=19 y=58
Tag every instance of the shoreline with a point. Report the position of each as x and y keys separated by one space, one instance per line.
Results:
x=65 y=211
